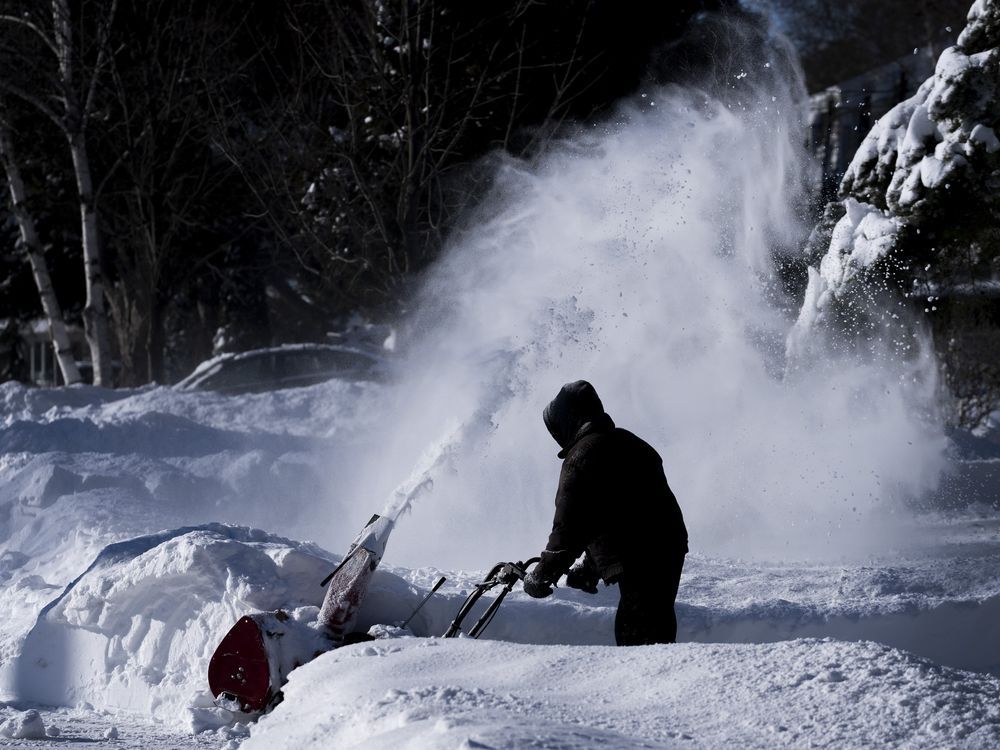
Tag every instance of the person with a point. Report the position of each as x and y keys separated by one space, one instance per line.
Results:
x=614 y=507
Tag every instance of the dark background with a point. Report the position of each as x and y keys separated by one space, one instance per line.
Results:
x=265 y=170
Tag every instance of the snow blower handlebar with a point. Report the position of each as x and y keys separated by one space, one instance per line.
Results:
x=504 y=574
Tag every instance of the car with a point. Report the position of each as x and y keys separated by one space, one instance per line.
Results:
x=288 y=366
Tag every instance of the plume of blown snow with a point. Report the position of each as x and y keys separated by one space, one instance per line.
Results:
x=638 y=255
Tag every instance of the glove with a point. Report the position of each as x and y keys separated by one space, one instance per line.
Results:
x=583 y=576
x=536 y=587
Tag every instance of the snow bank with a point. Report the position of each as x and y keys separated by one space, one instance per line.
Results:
x=82 y=468
x=410 y=693
x=317 y=411
x=134 y=632
x=938 y=599
x=120 y=613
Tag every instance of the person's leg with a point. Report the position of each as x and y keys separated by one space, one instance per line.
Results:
x=672 y=581
x=646 y=609
x=625 y=617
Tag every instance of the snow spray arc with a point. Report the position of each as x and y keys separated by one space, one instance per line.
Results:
x=253 y=660
x=639 y=255
x=348 y=583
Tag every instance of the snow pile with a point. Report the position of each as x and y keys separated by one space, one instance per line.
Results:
x=82 y=468
x=24 y=726
x=412 y=693
x=922 y=184
x=135 y=630
x=320 y=411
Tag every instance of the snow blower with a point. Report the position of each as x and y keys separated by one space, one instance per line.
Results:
x=252 y=662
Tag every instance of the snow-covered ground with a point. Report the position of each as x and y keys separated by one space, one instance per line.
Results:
x=804 y=693
x=844 y=584
x=131 y=539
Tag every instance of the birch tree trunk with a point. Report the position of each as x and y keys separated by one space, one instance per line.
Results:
x=95 y=316
x=39 y=268
x=77 y=102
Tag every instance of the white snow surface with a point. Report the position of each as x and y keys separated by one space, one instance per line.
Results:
x=122 y=570
x=24 y=726
x=418 y=693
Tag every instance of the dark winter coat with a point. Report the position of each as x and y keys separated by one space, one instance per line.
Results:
x=613 y=498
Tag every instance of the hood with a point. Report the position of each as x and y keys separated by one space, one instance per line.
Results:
x=576 y=407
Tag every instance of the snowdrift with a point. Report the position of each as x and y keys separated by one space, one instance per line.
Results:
x=135 y=631
x=428 y=694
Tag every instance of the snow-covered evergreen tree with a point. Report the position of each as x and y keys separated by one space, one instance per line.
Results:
x=919 y=208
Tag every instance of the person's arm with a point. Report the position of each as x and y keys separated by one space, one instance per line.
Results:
x=572 y=524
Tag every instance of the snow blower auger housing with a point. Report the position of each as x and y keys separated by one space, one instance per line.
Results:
x=252 y=662
x=504 y=574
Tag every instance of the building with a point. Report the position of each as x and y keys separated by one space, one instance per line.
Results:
x=26 y=352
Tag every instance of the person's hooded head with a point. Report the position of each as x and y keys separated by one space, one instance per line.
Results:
x=576 y=410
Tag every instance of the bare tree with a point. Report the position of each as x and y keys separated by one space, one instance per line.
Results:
x=157 y=194
x=60 y=58
x=33 y=248
x=353 y=142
